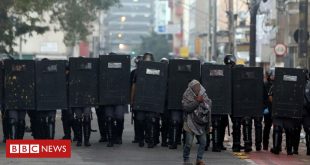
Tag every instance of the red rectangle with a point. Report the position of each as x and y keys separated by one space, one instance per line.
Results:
x=38 y=148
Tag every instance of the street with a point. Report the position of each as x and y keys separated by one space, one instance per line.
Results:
x=131 y=154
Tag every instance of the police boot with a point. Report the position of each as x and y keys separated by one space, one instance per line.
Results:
x=296 y=139
x=236 y=136
x=277 y=140
x=266 y=137
x=13 y=129
x=289 y=141
x=51 y=128
x=103 y=132
x=173 y=135
x=67 y=128
x=140 y=132
x=21 y=129
x=135 y=125
x=119 y=131
x=5 y=127
x=164 y=134
x=151 y=133
x=216 y=137
x=109 y=131
x=102 y=127
x=247 y=135
x=157 y=132
x=45 y=130
x=223 y=124
x=258 y=133
x=75 y=127
x=307 y=130
x=86 y=130
x=79 y=131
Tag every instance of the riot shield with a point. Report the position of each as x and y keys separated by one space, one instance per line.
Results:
x=114 y=80
x=217 y=81
x=181 y=72
x=83 y=82
x=51 y=85
x=19 y=84
x=288 y=93
x=151 y=86
x=247 y=91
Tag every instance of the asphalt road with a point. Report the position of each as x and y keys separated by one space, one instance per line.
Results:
x=131 y=154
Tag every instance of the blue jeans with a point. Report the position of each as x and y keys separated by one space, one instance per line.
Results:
x=189 y=137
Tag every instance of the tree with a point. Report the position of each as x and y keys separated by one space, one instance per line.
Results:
x=76 y=17
x=157 y=45
x=20 y=17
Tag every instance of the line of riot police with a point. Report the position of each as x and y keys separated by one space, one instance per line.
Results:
x=154 y=90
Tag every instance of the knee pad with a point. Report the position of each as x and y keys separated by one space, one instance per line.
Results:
x=86 y=118
x=12 y=121
x=277 y=129
x=51 y=120
x=109 y=118
x=153 y=120
x=215 y=124
x=21 y=122
x=307 y=130
x=236 y=124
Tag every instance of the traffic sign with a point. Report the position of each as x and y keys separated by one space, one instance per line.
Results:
x=280 y=49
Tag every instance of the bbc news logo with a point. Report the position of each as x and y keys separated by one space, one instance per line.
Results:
x=38 y=148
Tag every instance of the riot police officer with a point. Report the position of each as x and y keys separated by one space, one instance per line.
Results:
x=132 y=79
x=306 y=115
x=16 y=113
x=67 y=116
x=291 y=127
x=4 y=125
x=45 y=122
x=4 y=115
x=268 y=108
x=230 y=60
x=114 y=118
x=165 y=118
x=145 y=121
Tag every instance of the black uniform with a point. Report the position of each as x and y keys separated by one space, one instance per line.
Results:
x=101 y=124
x=132 y=80
x=306 y=116
x=5 y=126
x=267 y=114
x=67 y=118
x=176 y=125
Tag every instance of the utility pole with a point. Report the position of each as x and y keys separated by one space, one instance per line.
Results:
x=210 y=30
x=231 y=28
x=303 y=33
x=214 y=28
x=253 y=11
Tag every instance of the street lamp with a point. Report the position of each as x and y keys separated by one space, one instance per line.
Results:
x=121 y=46
x=119 y=35
x=123 y=18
